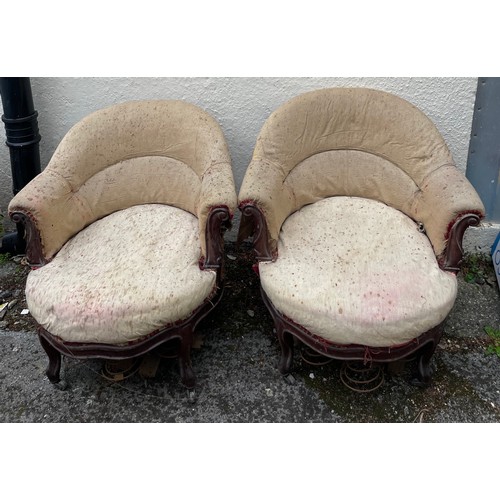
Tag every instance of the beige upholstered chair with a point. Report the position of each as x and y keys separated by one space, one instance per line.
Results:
x=124 y=232
x=357 y=213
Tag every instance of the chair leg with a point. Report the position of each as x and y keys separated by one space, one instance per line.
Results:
x=54 y=369
x=188 y=378
x=286 y=342
x=424 y=370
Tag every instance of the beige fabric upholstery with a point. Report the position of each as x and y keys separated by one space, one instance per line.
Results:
x=357 y=142
x=355 y=271
x=136 y=152
x=122 y=277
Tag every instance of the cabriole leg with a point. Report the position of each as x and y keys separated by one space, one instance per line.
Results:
x=54 y=369
x=188 y=378
x=286 y=343
x=424 y=370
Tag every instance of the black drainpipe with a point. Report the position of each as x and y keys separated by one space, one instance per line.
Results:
x=21 y=130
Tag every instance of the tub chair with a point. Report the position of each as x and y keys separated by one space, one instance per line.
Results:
x=124 y=233
x=356 y=212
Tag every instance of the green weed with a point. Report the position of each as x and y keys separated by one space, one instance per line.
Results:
x=4 y=257
x=476 y=268
x=494 y=335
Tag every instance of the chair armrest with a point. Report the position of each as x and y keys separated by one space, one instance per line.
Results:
x=451 y=258
x=447 y=198
x=51 y=213
x=215 y=209
x=218 y=221
x=253 y=223
x=34 y=248
x=264 y=205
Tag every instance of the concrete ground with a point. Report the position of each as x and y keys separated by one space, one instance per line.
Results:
x=235 y=364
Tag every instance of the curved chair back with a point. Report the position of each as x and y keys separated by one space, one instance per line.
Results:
x=356 y=142
x=132 y=153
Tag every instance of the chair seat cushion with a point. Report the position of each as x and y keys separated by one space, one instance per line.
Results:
x=356 y=271
x=122 y=277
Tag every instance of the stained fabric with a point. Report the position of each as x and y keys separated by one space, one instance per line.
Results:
x=135 y=152
x=356 y=271
x=360 y=142
x=122 y=277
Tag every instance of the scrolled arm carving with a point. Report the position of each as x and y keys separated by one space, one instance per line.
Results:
x=218 y=221
x=453 y=254
x=256 y=219
x=34 y=249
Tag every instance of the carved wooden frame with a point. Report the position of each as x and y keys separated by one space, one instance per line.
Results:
x=423 y=346
x=218 y=221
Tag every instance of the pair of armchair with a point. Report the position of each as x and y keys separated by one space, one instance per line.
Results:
x=352 y=201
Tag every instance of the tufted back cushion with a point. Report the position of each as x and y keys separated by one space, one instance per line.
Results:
x=137 y=152
x=356 y=142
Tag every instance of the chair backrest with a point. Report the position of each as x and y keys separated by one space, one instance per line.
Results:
x=356 y=142
x=128 y=154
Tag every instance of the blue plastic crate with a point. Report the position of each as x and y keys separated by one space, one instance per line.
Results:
x=495 y=255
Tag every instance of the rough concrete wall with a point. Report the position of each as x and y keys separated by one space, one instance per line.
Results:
x=241 y=105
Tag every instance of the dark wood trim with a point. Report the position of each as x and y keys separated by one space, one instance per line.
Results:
x=182 y=331
x=453 y=253
x=34 y=247
x=286 y=329
x=218 y=221
x=252 y=217
x=54 y=368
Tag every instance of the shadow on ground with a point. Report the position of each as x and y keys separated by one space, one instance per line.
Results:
x=235 y=364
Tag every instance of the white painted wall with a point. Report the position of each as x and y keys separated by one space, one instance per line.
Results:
x=241 y=105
